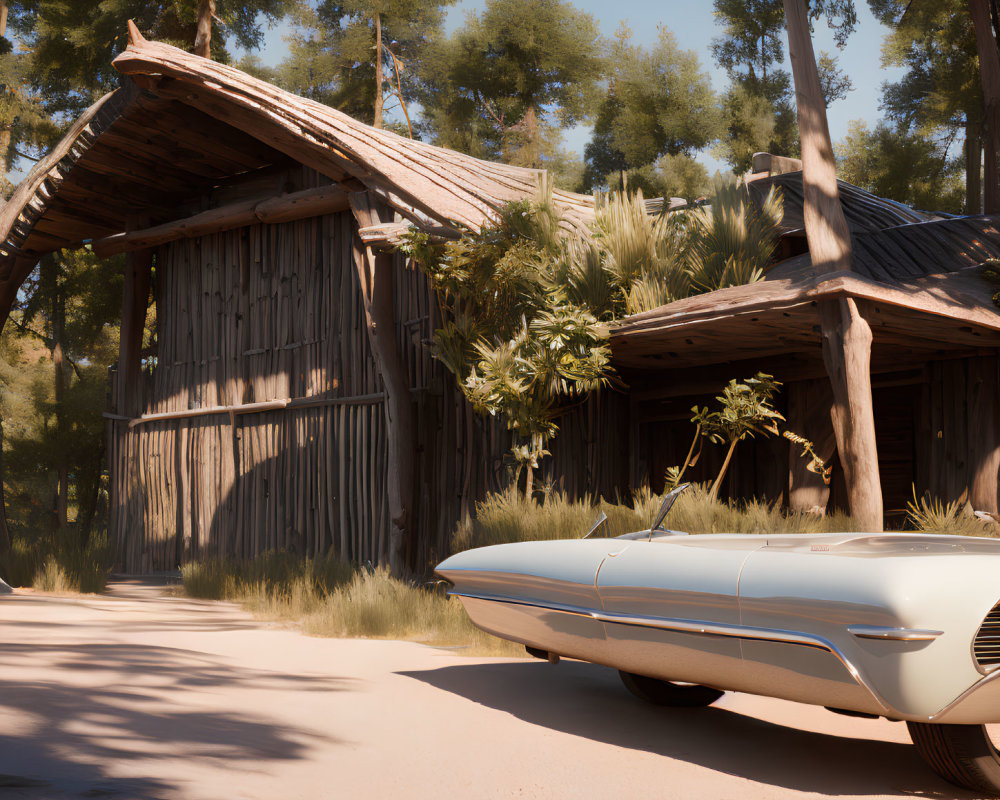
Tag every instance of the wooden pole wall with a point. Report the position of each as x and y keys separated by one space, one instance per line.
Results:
x=277 y=312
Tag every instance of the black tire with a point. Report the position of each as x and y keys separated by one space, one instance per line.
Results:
x=961 y=754
x=665 y=693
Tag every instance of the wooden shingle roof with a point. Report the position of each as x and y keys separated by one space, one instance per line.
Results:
x=183 y=125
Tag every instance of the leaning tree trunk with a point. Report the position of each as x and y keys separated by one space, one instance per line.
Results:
x=379 y=78
x=989 y=76
x=203 y=36
x=846 y=335
x=973 y=167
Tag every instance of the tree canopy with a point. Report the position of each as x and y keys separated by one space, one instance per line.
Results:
x=658 y=102
x=514 y=74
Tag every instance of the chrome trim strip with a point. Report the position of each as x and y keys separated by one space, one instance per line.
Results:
x=697 y=627
x=894 y=634
x=972 y=689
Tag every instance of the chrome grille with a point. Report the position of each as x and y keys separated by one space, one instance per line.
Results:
x=986 y=646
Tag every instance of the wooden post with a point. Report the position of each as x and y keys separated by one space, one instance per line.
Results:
x=973 y=168
x=989 y=75
x=847 y=336
x=984 y=434
x=810 y=404
x=376 y=276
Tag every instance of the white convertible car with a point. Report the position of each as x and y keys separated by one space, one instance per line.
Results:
x=902 y=626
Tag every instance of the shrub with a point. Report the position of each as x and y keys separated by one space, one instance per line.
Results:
x=510 y=517
x=67 y=567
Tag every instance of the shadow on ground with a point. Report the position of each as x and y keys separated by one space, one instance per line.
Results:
x=586 y=700
x=105 y=702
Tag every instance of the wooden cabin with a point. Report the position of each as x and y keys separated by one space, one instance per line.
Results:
x=291 y=401
x=934 y=357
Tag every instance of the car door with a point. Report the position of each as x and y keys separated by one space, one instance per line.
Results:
x=663 y=598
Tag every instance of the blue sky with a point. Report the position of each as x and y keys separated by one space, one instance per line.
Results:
x=695 y=26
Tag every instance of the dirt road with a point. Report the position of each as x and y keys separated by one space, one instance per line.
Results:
x=138 y=695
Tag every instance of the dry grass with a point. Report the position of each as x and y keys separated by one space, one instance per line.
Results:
x=510 y=517
x=328 y=598
x=66 y=568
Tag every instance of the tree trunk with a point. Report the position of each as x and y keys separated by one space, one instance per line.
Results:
x=376 y=274
x=846 y=334
x=989 y=75
x=984 y=434
x=4 y=131
x=59 y=381
x=973 y=168
x=379 y=99
x=4 y=530
x=203 y=36
x=847 y=340
x=7 y=297
x=714 y=491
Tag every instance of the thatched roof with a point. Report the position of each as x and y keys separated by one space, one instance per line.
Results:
x=184 y=127
x=865 y=212
x=920 y=284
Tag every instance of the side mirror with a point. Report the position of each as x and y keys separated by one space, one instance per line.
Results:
x=601 y=522
x=665 y=506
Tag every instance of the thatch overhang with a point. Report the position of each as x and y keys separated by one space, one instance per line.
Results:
x=918 y=285
x=186 y=134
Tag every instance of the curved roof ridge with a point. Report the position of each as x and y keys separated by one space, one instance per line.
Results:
x=450 y=187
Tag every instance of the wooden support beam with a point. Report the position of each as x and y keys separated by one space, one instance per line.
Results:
x=391 y=234
x=283 y=208
x=984 y=433
x=847 y=337
x=376 y=275
x=135 y=301
x=774 y=165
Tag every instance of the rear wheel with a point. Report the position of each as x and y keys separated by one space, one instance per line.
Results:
x=961 y=754
x=665 y=693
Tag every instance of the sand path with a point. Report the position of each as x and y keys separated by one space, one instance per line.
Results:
x=139 y=695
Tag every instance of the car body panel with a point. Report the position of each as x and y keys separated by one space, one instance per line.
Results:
x=874 y=623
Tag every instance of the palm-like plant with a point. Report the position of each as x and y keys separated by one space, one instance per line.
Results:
x=745 y=411
x=734 y=241
x=642 y=253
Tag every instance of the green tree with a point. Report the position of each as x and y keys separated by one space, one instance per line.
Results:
x=511 y=334
x=524 y=305
x=745 y=411
x=352 y=55
x=511 y=76
x=71 y=44
x=658 y=102
x=904 y=166
x=759 y=108
x=939 y=96
x=64 y=334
